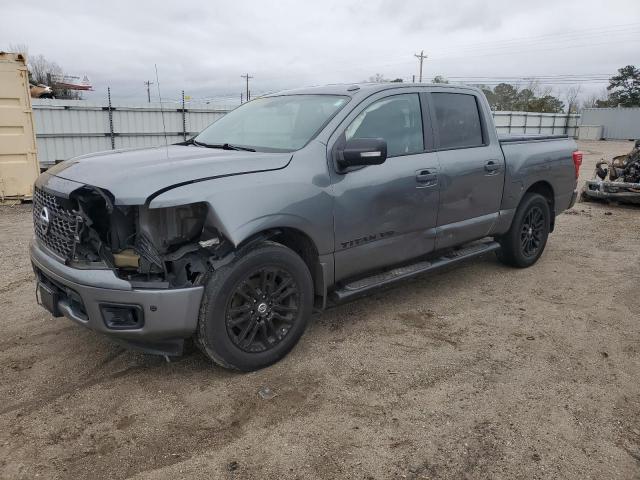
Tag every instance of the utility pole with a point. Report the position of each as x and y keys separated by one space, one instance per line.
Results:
x=421 y=57
x=184 y=120
x=113 y=141
x=247 y=77
x=148 y=84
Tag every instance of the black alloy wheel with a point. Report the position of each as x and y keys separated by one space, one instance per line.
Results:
x=532 y=231
x=523 y=244
x=255 y=308
x=262 y=309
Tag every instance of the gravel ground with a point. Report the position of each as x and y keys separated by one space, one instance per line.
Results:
x=479 y=372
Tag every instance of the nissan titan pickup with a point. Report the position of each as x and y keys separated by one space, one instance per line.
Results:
x=291 y=202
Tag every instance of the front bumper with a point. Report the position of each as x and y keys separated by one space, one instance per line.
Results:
x=170 y=315
x=616 y=191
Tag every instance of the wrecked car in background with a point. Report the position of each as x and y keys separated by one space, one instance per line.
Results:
x=618 y=180
x=40 y=91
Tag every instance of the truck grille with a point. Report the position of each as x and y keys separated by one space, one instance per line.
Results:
x=54 y=225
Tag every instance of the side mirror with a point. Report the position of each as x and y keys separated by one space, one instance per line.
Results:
x=362 y=151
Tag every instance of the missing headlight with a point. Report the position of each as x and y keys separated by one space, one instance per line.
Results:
x=168 y=228
x=172 y=247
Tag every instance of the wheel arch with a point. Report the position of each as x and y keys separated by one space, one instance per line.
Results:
x=303 y=245
x=544 y=188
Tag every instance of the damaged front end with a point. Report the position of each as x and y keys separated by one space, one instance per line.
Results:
x=618 y=180
x=151 y=248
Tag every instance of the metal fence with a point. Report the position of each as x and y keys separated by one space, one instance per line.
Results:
x=616 y=123
x=534 y=122
x=68 y=128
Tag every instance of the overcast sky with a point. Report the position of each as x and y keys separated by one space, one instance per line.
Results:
x=203 y=47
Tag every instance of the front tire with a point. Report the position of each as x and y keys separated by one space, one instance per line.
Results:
x=256 y=308
x=525 y=241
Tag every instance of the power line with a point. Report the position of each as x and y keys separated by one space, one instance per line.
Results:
x=616 y=33
x=522 y=82
x=530 y=81
x=551 y=75
x=489 y=53
x=533 y=77
x=545 y=39
x=527 y=48
x=525 y=51
x=514 y=46
x=562 y=40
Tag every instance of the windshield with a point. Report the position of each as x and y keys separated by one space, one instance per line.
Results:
x=273 y=124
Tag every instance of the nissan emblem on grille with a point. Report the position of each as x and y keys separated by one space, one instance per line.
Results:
x=43 y=221
x=55 y=226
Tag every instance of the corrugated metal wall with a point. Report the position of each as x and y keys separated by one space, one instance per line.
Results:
x=533 y=122
x=65 y=129
x=617 y=123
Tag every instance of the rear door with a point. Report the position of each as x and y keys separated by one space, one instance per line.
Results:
x=471 y=166
x=386 y=214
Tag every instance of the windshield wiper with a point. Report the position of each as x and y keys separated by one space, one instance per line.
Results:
x=229 y=146
x=223 y=146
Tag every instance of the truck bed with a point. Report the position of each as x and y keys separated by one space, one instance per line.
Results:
x=544 y=159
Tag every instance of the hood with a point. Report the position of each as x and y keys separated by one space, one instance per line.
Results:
x=134 y=175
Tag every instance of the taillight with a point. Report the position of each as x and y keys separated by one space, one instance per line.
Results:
x=577 y=161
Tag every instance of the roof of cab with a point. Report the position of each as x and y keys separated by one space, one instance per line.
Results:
x=353 y=89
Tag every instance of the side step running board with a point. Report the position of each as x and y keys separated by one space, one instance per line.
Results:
x=364 y=285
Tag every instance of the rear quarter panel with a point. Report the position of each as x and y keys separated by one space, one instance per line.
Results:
x=531 y=161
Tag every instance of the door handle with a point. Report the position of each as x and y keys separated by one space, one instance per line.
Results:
x=426 y=177
x=491 y=166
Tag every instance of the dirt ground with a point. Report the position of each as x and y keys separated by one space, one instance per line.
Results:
x=482 y=371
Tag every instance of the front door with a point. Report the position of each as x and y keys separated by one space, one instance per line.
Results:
x=471 y=169
x=386 y=214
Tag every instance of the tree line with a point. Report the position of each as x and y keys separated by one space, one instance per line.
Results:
x=623 y=91
x=531 y=99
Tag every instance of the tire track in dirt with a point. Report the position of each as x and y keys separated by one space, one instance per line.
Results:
x=95 y=378
x=28 y=338
x=14 y=284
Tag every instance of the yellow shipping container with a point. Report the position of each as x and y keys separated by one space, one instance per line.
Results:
x=19 y=166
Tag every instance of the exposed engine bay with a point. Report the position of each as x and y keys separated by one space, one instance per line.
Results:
x=159 y=248
x=617 y=180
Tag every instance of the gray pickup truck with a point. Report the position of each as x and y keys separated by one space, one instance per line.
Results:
x=290 y=202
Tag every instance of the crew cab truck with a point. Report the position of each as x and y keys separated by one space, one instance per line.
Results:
x=290 y=202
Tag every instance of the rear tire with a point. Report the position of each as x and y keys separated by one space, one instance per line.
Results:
x=256 y=308
x=525 y=241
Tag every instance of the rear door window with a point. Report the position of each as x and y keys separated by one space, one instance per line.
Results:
x=396 y=119
x=457 y=120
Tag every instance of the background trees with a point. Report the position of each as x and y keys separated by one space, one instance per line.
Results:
x=530 y=99
x=624 y=88
x=439 y=79
x=623 y=91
